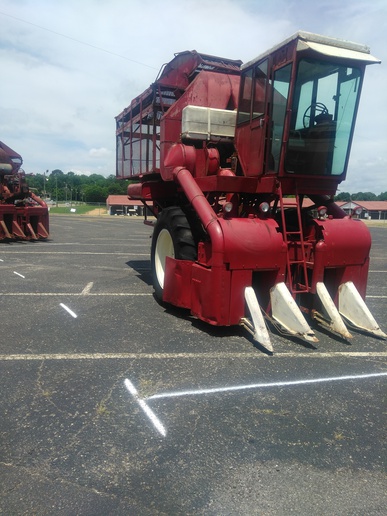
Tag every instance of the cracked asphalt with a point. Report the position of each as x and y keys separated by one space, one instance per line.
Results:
x=79 y=318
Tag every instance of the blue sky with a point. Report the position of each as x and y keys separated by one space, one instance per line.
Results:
x=69 y=67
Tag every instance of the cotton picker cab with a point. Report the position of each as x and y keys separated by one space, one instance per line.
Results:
x=239 y=165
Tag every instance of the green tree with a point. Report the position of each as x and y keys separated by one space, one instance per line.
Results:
x=76 y=187
x=364 y=196
x=95 y=193
x=343 y=196
x=114 y=189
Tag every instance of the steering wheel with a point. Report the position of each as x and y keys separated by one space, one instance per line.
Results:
x=318 y=108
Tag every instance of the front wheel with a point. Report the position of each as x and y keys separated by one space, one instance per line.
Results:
x=172 y=237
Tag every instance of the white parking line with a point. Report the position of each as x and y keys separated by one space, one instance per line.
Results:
x=262 y=385
x=87 y=289
x=162 y=430
x=38 y=294
x=201 y=356
x=68 y=310
x=21 y=275
x=148 y=411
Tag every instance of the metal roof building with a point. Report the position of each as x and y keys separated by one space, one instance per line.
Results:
x=375 y=210
x=121 y=205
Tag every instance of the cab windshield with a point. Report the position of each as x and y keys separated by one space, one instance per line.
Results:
x=323 y=113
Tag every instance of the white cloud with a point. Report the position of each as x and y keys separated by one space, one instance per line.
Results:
x=102 y=152
x=60 y=92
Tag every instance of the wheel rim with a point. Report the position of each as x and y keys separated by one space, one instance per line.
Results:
x=164 y=248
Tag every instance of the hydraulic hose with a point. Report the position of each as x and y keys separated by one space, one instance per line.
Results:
x=206 y=214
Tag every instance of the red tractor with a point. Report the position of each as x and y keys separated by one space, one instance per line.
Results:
x=239 y=165
x=23 y=215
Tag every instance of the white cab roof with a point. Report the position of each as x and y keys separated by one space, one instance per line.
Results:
x=323 y=45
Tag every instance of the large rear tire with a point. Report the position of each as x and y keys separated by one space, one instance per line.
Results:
x=172 y=237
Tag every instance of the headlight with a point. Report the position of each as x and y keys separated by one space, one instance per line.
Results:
x=264 y=207
x=322 y=211
x=227 y=207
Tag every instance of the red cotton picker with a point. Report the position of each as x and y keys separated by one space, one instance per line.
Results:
x=239 y=165
x=23 y=215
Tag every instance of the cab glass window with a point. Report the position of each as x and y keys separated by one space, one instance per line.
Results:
x=260 y=82
x=323 y=115
x=245 y=97
x=280 y=97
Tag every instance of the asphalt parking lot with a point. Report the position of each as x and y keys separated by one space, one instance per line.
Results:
x=112 y=404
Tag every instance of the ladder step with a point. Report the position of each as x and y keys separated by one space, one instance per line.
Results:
x=294 y=241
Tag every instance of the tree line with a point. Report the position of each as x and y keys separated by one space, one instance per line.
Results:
x=72 y=187
x=360 y=196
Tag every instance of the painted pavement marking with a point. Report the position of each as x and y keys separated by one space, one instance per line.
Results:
x=162 y=430
x=164 y=356
x=86 y=290
x=43 y=294
x=73 y=314
x=264 y=385
x=147 y=410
